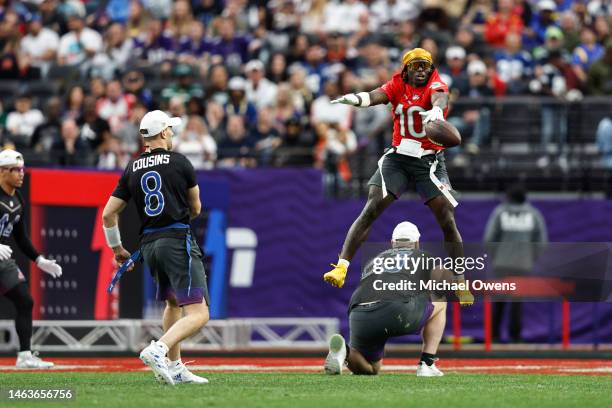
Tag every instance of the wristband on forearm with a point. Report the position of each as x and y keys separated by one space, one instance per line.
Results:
x=113 y=237
x=363 y=98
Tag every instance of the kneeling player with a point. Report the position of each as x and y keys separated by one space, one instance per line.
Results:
x=376 y=314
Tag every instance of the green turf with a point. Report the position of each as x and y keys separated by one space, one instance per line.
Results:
x=270 y=390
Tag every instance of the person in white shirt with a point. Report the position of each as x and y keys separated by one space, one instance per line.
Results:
x=79 y=44
x=196 y=143
x=323 y=111
x=344 y=17
x=39 y=46
x=116 y=53
x=22 y=122
x=116 y=107
x=259 y=90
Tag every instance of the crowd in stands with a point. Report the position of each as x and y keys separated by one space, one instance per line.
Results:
x=253 y=79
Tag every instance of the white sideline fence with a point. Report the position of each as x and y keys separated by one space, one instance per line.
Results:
x=132 y=335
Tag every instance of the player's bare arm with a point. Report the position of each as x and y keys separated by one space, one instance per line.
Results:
x=439 y=101
x=195 y=206
x=110 y=219
x=363 y=99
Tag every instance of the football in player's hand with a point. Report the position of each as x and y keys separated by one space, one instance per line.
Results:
x=442 y=133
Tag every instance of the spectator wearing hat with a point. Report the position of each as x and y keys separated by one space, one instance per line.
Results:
x=259 y=89
x=554 y=41
x=80 y=43
x=506 y=20
x=238 y=104
x=540 y=22
x=39 y=46
x=454 y=69
x=23 y=120
x=184 y=87
x=586 y=53
x=599 y=77
x=514 y=65
x=473 y=117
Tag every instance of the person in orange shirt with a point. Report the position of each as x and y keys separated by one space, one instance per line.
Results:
x=500 y=24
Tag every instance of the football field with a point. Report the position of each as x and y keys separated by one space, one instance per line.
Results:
x=287 y=382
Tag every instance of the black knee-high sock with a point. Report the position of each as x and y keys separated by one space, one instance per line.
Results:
x=429 y=359
x=20 y=296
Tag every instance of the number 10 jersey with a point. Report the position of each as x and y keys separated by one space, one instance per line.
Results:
x=408 y=102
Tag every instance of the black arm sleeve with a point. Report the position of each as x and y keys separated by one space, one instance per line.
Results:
x=23 y=240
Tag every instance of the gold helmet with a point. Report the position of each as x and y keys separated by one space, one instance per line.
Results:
x=417 y=54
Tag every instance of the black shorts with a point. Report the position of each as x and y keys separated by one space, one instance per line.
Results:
x=401 y=172
x=167 y=258
x=372 y=325
x=10 y=275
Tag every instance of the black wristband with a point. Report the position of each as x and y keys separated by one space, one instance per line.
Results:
x=358 y=99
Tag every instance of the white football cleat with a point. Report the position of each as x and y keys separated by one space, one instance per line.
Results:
x=336 y=356
x=423 y=370
x=155 y=357
x=182 y=375
x=27 y=359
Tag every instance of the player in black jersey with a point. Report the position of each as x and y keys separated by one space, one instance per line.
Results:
x=13 y=283
x=163 y=186
x=381 y=308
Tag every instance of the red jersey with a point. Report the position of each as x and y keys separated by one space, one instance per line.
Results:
x=408 y=102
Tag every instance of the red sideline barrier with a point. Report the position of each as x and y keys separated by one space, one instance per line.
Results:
x=456 y=311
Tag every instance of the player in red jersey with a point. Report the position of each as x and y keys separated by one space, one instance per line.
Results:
x=418 y=96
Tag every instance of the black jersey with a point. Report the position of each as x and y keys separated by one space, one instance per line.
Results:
x=12 y=222
x=158 y=182
x=369 y=290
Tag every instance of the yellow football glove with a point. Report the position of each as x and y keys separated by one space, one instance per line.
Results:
x=465 y=297
x=336 y=276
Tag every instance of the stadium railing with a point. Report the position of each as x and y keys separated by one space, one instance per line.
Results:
x=131 y=335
